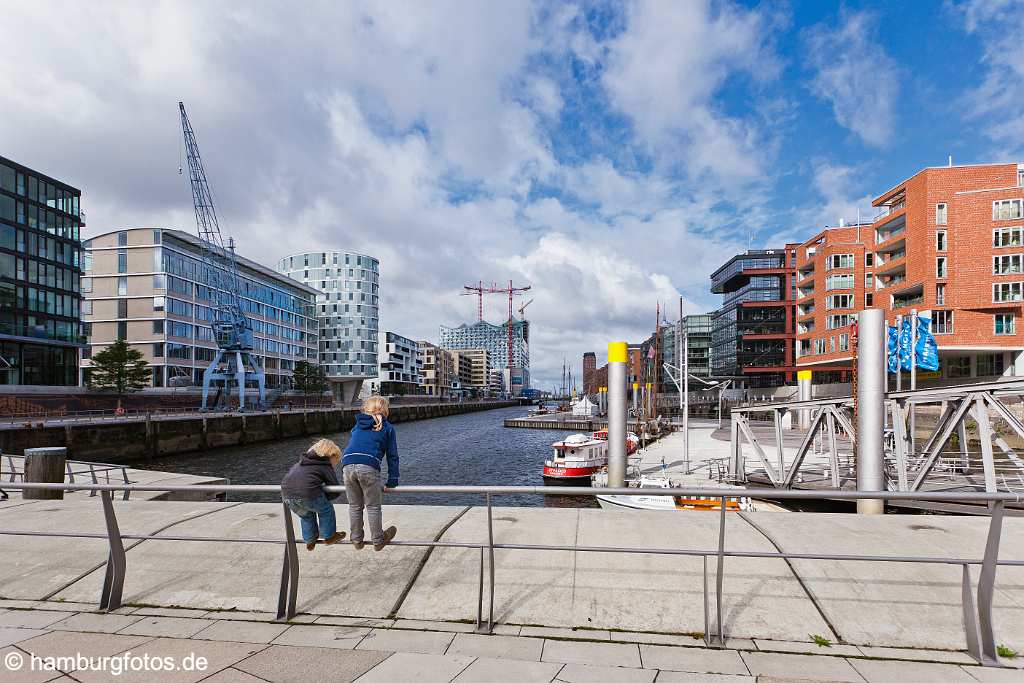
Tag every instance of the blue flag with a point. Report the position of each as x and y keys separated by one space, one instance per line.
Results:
x=926 y=351
x=892 y=348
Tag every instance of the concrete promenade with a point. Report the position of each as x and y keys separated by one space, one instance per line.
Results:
x=249 y=647
x=862 y=604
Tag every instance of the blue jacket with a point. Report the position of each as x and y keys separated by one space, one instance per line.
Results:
x=367 y=447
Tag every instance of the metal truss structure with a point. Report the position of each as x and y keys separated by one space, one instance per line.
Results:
x=943 y=460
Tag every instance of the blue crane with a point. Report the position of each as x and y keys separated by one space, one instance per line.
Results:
x=234 y=363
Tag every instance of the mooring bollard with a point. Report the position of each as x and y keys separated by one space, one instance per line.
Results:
x=45 y=466
x=870 y=408
x=617 y=358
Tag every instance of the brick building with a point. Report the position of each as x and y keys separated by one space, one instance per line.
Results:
x=948 y=242
x=589 y=366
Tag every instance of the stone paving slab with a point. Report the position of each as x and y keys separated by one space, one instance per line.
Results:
x=909 y=672
x=680 y=677
x=55 y=643
x=166 y=627
x=811 y=667
x=565 y=633
x=692 y=659
x=232 y=675
x=338 y=637
x=497 y=647
x=241 y=631
x=606 y=654
x=919 y=655
x=833 y=650
x=994 y=675
x=585 y=673
x=507 y=671
x=25 y=675
x=331 y=579
x=422 y=668
x=394 y=640
x=9 y=636
x=30 y=618
x=302 y=665
x=95 y=623
x=218 y=656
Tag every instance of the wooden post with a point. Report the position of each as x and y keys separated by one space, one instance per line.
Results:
x=46 y=466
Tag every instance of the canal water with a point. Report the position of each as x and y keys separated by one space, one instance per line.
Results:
x=469 y=449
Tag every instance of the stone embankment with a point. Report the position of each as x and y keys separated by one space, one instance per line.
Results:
x=130 y=440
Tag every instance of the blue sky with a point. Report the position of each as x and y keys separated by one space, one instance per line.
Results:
x=610 y=154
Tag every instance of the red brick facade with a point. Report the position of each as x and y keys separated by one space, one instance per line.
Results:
x=933 y=248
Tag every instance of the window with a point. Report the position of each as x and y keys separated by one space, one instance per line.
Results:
x=869 y=281
x=122 y=286
x=869 y=259
x=122 y=308
x=844 y=342
x=1003 y=323
x=940 y=294
x=87 y=262
x=158 y=327
x=1007 y=237
x=869 y=300
x=156 y=237
x=940 y=214
x=1007 y=291
x=958 y=366
x=839 y=282
x=158 y=350
x=158 y=303
x=940 y=266
x=839 y=261
x=839 y=301
x=122 y=330
x=990 y=364
x=159 y=281
x=122 y=260
x=1007 y=265
x=942 y=322
x=836 y=321
x=1006 y=210
x=87 y=307
x=1020 y=176
x=122 y=239
x=940 y=240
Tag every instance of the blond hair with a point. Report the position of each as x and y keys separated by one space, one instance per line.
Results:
x=325 y=448
x=379 y=408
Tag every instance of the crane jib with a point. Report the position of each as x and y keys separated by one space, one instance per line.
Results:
x=234 y=365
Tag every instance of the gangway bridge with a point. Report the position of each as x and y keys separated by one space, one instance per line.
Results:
x=959 y=438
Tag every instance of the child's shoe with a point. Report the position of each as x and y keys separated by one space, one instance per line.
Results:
x=311 y=545
x=338 y=536
x=389 y=535
x=358 y=545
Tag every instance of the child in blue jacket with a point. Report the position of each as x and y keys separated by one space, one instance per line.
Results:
x=373 y=439
x=302 y=490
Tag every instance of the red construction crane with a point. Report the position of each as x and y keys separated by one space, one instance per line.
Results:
x=511 y=291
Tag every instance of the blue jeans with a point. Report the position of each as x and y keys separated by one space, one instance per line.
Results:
x=308 y=510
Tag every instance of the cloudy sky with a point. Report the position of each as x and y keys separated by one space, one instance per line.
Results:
x=610 y=154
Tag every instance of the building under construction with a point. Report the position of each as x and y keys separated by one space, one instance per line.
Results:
x=494 y=338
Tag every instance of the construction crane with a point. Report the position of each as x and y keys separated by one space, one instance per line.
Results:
x=480 y=290
x=234 y=363
x=522 y=309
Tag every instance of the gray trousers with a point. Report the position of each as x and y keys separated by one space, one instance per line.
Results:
x=363 y=488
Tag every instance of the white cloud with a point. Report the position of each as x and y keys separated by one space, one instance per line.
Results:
x=855 y=74
x=998 y=24
x=665 y=69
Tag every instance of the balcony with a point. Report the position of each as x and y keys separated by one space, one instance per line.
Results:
x=892 y=266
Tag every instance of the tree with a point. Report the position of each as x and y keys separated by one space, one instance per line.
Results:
x=120 y=368
x=309 y=378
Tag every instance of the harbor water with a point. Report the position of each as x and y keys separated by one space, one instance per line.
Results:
x=470 y=449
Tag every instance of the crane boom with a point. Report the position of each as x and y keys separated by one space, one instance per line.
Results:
x=234 y=362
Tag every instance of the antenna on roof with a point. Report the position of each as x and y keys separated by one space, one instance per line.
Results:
x=951 y=161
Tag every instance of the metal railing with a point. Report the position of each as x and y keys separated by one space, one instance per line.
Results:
x=92 y=470
x=976 y=606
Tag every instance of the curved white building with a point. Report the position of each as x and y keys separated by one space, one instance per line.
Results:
x=347 y=310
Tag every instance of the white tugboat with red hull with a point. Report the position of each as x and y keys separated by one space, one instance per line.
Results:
x=575 y=458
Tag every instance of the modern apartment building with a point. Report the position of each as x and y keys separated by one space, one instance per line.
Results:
x=494 y=338
x=149 y=287
x=40 y=273
x=948 y=242
x=589 y=366
x=835 y=279
x=400 y=365
x=753 y=333
x=347 y=308
x=473 y=367
x=438 y=370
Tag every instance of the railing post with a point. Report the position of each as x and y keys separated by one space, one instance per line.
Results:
x=113 y=578
x=986 y=586
x=971 y=632
x=480 y=594
x=720 y=576
x=617 y=358
x=490 y=562
x=288 y=593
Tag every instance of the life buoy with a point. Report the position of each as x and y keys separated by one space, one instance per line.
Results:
x=119 y=412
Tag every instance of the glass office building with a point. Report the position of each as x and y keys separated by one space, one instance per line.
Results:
x=40 y=278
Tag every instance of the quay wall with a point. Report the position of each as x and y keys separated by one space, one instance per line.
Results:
x=130 y=440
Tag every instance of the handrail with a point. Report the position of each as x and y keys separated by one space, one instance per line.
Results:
x=977 y=616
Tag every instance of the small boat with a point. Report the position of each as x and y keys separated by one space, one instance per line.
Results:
x=632 y=440
x=740 y=503
x=575 y=459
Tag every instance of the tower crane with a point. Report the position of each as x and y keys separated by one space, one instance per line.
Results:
x=234 y=363
x=522 y=309
x=480 y=290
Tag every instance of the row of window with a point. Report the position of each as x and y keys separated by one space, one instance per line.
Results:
x=38 y=190
x=38 y=218
x=1002 y=210
x=39 y=246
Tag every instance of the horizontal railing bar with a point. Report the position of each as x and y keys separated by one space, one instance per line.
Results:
x=774 y=494
x=562 y=548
